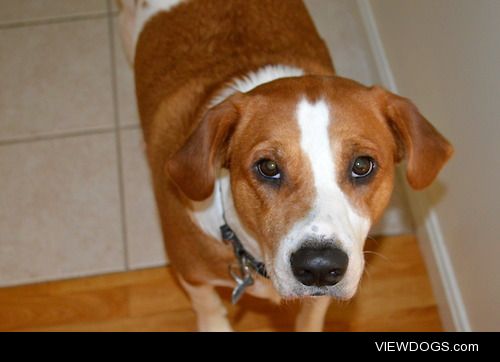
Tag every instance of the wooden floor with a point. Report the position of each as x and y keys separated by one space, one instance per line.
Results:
x=394 y=295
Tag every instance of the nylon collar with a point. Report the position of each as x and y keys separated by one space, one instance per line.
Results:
x=242 y=255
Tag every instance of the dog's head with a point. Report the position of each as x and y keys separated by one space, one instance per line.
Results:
x=311 y=163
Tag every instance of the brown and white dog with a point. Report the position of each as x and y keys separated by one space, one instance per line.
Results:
x=246 y=123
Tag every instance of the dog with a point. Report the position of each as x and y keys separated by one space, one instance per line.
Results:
x=268 y=168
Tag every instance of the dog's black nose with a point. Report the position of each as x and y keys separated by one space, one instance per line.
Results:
x=319 y=266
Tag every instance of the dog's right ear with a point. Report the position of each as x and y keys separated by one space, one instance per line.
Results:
x=193 y=166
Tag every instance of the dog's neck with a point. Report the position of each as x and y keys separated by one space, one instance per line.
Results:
x=208 y=214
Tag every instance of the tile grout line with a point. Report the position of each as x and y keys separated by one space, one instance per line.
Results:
x=63 y=134
x=56 y=20
x=121 y=182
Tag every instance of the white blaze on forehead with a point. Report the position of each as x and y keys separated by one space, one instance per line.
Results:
x=314 y=120
x=332 y=218
x=332 y=213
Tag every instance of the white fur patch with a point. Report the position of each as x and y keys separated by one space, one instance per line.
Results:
x=210 y=311
x=332 y=217
x=252 y=80
x=208 y=214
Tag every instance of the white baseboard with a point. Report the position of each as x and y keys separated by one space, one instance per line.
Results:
x=439 y=266
x=444 y=283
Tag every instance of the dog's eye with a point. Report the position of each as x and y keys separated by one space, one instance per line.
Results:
x=362 y=167
x=268 y=169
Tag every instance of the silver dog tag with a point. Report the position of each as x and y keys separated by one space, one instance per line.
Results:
x=242 y=282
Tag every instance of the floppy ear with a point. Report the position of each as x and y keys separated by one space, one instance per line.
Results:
x=192 y=167
x=423 y=146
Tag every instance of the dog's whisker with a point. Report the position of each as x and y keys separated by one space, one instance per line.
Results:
x=377 y=254
x=372 y=238
x=365 y=271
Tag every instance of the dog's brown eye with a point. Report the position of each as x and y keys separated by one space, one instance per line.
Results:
x=362 y=167
x=268 y=169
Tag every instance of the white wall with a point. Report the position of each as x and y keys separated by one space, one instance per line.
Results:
x=341 y=26
x=445 y=56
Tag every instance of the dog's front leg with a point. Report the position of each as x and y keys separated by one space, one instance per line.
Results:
x=311 y=316
x=210 y=312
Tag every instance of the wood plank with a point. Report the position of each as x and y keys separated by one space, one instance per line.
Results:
x=394 y=295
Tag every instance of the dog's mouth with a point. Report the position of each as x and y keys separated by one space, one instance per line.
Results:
x=336 y=292
x=319 y=294
x=292 y=282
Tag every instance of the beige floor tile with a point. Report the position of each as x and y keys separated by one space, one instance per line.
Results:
x=59 y=209
x=145 y=243
x=125 y=88
x=12 y=11
x=55 y=78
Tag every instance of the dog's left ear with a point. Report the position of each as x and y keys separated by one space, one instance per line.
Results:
x=425 y=149
x=193 y=166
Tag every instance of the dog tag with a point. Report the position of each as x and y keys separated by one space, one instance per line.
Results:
x=240 y=289
x=242 y=282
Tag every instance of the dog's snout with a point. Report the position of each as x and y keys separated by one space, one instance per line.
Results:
x=319 y=266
